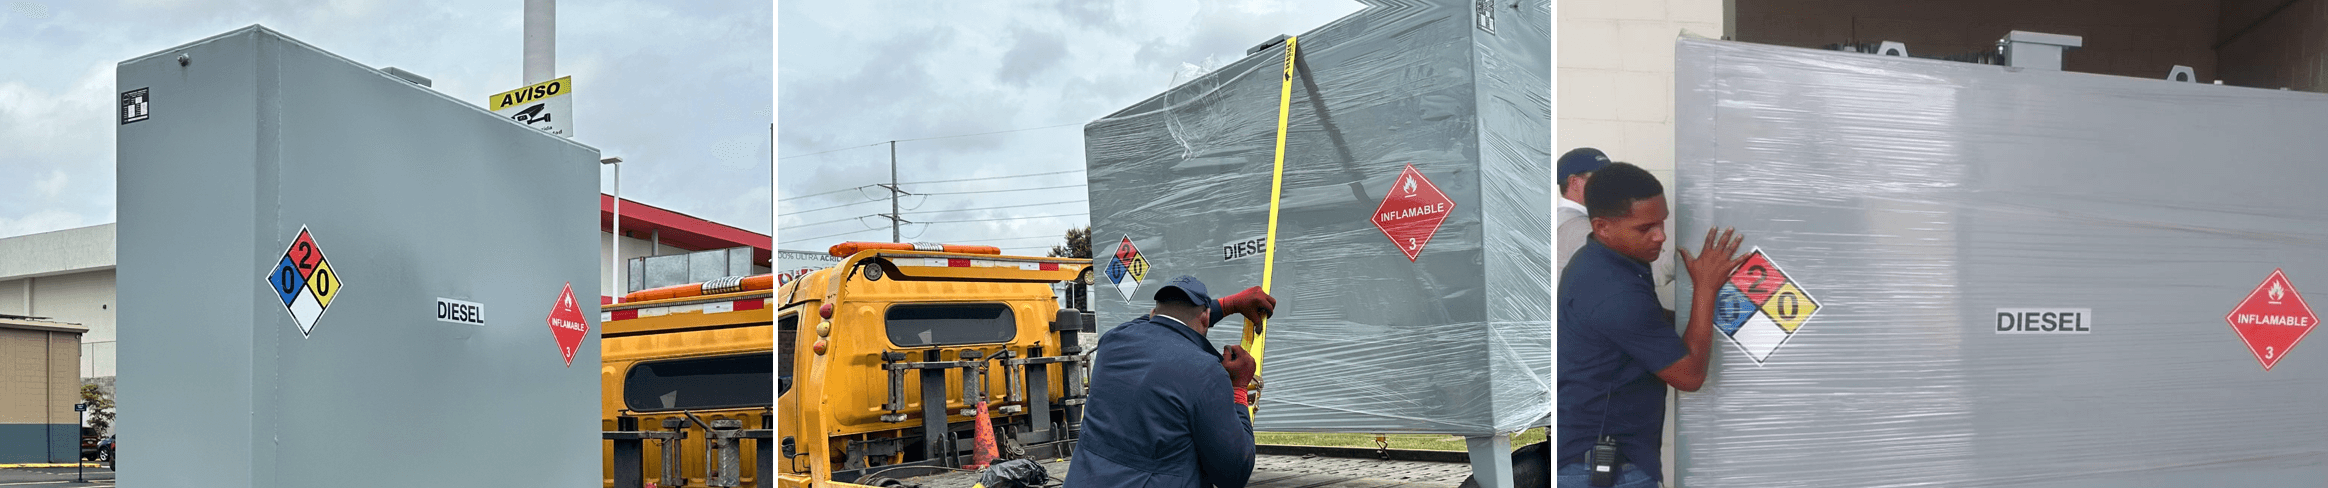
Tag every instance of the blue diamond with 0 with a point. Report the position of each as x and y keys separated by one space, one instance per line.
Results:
x=288 y=284
x=1731 y=309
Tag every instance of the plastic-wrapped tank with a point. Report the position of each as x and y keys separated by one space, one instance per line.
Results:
x=1412 y=263
x=2003 y=276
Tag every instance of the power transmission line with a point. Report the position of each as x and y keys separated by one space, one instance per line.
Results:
x=835 y=206
x=844 y=219
x=996 y=208
x=786 y=199
x=937 y=137
x=991 y=177
x=990 y=133
x=833 y=151
x=1001 y=191
x=1006 y=218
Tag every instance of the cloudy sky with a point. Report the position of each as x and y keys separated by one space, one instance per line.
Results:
x=854 y=74
x=680 y=90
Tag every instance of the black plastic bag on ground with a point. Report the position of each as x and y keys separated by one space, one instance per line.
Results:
x=1016 y=473
x=1531 y=467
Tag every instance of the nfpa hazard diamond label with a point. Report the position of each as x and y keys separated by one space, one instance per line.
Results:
x=304 y=280
x=2272 y=319
x=1760 y=308
x=1126 y=269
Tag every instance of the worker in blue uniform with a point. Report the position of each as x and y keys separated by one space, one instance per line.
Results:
x=1166 y=409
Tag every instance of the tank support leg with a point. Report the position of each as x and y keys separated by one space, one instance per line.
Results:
x=1491 y=460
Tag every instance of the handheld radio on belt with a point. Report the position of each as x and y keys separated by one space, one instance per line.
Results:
x=1602 y=464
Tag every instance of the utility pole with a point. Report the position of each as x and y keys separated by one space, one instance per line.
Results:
x=541 y=41
x=894 y=219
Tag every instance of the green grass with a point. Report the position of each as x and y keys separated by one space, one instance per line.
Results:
x=1427 y=442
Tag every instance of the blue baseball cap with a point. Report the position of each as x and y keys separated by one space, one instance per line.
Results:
x=1581 y=160
x=1188 y=287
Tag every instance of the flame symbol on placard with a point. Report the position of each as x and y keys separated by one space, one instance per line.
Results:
x=1410 y=186
x=2276 y=292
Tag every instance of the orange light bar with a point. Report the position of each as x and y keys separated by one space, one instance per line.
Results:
x=713 y=287
x=847 y=249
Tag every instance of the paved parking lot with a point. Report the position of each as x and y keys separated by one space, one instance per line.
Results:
x=54 y=477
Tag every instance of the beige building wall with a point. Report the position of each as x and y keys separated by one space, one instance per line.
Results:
x=83 y=298
x=39 y=377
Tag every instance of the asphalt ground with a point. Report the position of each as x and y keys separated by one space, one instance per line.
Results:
x=54 y=477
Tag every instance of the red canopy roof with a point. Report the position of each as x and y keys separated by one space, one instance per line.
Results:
x=680 y=230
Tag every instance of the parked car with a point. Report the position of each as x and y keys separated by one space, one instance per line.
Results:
x=89 y=440
x=104 y=451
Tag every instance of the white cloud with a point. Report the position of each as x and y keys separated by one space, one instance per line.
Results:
x=52 y=185
x=41 y=221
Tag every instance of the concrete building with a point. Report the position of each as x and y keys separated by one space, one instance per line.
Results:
x=64 y=276
x=67 y=275
x=39 y=383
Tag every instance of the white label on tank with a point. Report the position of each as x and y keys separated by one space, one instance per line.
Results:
x=460 y=312
x=2044 y=321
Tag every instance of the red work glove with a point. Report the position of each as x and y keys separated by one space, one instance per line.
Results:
x=1252 y=302
x=1240 y=366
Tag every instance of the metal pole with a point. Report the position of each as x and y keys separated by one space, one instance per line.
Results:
x=620 y=287
x=541 y=41
x=894 y=236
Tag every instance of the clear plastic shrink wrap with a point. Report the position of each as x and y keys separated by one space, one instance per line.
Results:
x=1453 y=340
x=1977 y=275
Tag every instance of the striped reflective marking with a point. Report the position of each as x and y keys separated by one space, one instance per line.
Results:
x=975 y=263
x=700 y=308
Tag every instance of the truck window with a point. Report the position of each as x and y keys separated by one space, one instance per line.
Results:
x=698 y=383
x=787 y=331
x=947 y=324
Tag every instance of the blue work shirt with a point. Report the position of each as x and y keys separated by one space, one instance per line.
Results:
x=1160 y=413
x=1614 y=338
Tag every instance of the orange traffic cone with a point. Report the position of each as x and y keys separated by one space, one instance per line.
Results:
x=983 y=450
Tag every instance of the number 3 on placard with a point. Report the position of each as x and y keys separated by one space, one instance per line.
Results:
x=2267 y=352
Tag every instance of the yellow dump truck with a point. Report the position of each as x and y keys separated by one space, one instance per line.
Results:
x=874 y=350
x=684 y=375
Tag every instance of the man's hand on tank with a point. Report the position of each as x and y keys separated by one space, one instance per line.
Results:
x=1715 y=260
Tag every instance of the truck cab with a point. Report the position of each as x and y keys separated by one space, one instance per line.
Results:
x=885 y=359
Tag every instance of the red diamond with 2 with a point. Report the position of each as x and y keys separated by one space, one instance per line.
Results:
x=1412 y=212
x=2272 y=319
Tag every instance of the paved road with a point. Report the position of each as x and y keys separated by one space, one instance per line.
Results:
x=54 y=478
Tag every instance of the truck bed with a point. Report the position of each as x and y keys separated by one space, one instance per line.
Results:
x=1288 y=472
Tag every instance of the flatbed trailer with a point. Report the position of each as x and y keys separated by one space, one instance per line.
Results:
x=1275 y=471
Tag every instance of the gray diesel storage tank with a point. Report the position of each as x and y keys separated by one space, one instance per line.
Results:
x=1978 y=275
x=331 y=276
x=1413 y=265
